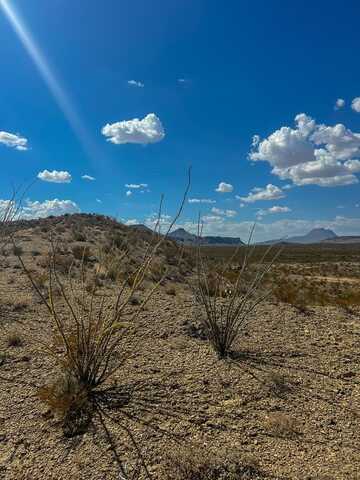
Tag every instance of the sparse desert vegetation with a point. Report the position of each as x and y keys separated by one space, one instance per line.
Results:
x=129 y=386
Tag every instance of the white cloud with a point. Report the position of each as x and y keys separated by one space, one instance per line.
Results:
x=277 y=209
x=14 y=141
x=287 y=146
x=272 y=210
x=131 y=221
x=211 y=219
x=153 y=221
x=54 y=176
x=88 y=177
x=147 y=130
x=355 y=104
x=312 y=153
x=224 y=187
x=340 y=103
x=225 y=213
x=270 y=192
x=129 y=193
x=36 y=209
x=48 y=207
x=136 y=185
x=201 y=200
x=98 y=200
x=255 y=140
x=135 y=83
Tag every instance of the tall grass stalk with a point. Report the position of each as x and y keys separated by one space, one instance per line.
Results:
x=226 y=305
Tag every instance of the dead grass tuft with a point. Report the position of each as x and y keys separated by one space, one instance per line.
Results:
x=198 y=463
x=14 y=339
x=282 y=425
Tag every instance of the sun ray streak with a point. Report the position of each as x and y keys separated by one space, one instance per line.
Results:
x=48 y=76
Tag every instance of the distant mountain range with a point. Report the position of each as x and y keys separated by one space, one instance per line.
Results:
x=317 y=235
x=182 y=236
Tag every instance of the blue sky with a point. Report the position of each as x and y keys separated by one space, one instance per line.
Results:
x=244 y=91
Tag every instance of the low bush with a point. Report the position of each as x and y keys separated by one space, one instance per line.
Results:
x=80 y=252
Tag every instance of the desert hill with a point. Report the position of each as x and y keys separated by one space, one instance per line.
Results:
x=182 y=236
x=314 y=236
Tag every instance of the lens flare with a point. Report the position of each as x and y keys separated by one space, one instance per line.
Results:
x=42 y=65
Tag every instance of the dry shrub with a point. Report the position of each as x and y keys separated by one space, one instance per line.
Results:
x=279 y=384
x=81 y=252
x=3 y=358
x=157 y=270
x=79 y=236
x=40 y=279
x=69 y=399
x=198 y=463
x=226 y=306
x=93 y=283
x=14 y=339
x=111 y=264
x=171 y=253
x=171 y=290
x=135 y=301
x=347 y=299
x=90 y=332
x=19 y=305
x=62 y=262
x=282 y=425
x=287 y=292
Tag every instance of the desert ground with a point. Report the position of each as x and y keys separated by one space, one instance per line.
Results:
x=285 y=404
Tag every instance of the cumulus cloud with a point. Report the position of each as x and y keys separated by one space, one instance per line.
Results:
x=225 y=213
x=340 y=103
x=128 y=193
x=224 y=187
x=355 y=104
x=54 y=176
x=135 y=83
x=136 y=185
x=272 y=210
x=201 y=200
x=277 y=209
x=154 y=222
x=88 y=177
x=147 y=130
x=98 y=200
x=311 y=153
x=48 y=207
x=270 y=192
x=13 y=141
